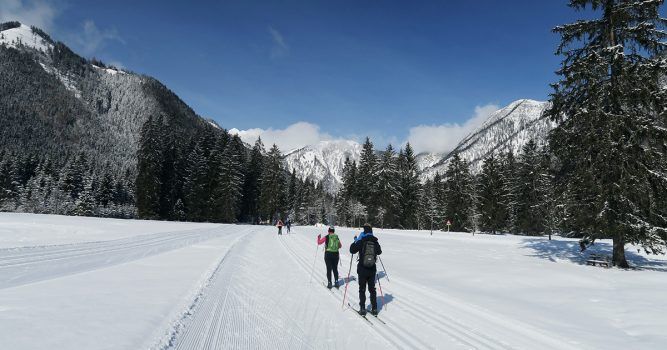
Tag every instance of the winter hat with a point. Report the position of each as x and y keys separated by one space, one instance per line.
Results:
x=332 y=229
x=367 y=228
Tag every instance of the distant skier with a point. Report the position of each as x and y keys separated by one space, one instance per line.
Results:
x=368 y=248
x=279 y=224
x=288 y=224
x=331 y=255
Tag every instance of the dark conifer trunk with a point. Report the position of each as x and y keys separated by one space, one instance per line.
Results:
x=618 y=257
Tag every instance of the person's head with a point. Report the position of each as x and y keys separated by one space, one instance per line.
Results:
x=367 y=228
x=331 y=229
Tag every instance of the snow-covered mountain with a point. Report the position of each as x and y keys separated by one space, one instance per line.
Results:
x=323 y=162
x=56 y=103
x=506 y=129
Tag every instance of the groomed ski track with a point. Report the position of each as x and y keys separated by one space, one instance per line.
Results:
x=261 y=296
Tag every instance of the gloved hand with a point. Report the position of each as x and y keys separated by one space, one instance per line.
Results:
x=355 y=238
x=319 y=236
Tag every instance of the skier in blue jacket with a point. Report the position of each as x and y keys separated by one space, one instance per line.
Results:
x=368 y=248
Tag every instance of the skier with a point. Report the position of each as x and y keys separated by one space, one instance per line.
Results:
x=368 y=248
x=331 y=255
x=279 y=224
x=289 y=225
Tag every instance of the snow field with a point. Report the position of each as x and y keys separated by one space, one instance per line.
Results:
x=125 y=284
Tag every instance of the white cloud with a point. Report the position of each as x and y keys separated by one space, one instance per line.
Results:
x=30 y=12
x=293 y=137
x=443 y=138
x=91 y=39
x=280 y=47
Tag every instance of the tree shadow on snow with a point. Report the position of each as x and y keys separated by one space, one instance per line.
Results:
x=569 y=250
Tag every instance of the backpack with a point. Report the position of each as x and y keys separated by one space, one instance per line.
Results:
x=332 y=243
x=368 y=254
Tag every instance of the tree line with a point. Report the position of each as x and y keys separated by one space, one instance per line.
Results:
x=510 y=194
x=213 y=176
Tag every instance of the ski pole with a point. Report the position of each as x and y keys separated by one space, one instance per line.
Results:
x=385 y=270
x=347 y=281
x=381 y=294
x=312 y=272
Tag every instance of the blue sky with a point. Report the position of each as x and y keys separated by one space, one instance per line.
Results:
x=347 y=68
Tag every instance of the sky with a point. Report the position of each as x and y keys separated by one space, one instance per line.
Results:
x=297 y=72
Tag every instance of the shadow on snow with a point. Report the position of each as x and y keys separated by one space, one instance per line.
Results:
x=569 y=250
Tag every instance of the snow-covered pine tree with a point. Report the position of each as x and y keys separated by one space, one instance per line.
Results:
x=273 y=191
x=196 y=185
x=490 y=205
x=610 y=106
x=252 y=183
x=387 y=188
x=409 y=188
x=228 y=187
x=149 y=168
x=292 y=192
x=509 y=190
x=347 y=192
x=367 y=179
x=85 y=202
x=529 y=205
x=459 y=189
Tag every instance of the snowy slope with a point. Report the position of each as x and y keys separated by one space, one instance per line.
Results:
x=324 y=161
x=24 y=36
x=204 y=286
x=509 y=128
x=79 y=105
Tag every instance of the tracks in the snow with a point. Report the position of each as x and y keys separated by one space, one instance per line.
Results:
x=394 y=334
x=442 y=323
x=234 y=311
x=26 y=265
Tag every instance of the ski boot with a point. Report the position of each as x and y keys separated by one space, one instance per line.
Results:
x=374 y=312
x=329 y=285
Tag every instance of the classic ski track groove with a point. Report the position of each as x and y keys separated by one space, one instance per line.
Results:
x=538 y=336
x=458 y=331
x=387 y=332
x=58 y=261
x=212 y=324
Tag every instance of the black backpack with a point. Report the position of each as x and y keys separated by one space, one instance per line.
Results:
x=368 y=254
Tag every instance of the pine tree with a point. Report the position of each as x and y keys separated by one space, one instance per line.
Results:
x=228 y=188
x=409 y=189
x=458 y=184
x=85 y=203
x=149 y=168
x=367 y=178
x=272 y=193
x=387 y=188
x=252 y=183
x=610 y=107
x=196 y=186
x=529 y=204
x=490 y=196
x=509 y=190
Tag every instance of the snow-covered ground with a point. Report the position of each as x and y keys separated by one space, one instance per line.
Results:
x=86 y=283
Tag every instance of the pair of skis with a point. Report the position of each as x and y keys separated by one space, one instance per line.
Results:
x=356 y=312
x=351 y=308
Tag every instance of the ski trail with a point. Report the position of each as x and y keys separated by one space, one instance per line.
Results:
x=444 y=319
x=457 y=315
x=259 y=297
x=396 y=336
x=29 y=265
x=230 y=315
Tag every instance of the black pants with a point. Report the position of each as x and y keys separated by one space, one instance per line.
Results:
x=331 y=259
x=367 y=277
